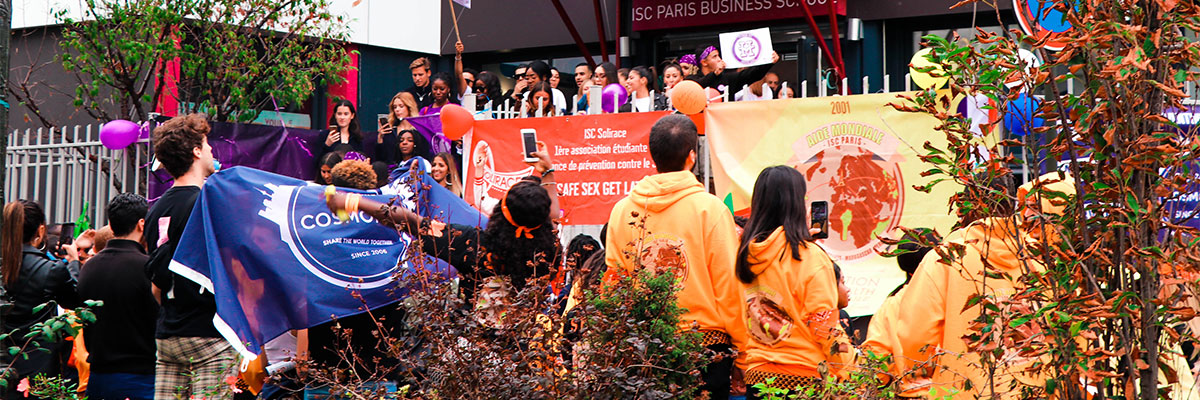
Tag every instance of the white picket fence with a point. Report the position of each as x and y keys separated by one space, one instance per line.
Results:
x=65 y=168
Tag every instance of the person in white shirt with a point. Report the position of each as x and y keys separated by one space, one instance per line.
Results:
x=539 y=71
x=642 y=82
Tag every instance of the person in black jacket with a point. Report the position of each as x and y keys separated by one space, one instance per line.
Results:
x=713 y=74
x=120 y=343
x=31 y=277
x=344 y=134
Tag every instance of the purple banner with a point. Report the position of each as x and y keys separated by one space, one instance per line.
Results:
x=431 y=127
x=284 y=151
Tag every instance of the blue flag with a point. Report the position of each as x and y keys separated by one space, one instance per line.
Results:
x=277 y=259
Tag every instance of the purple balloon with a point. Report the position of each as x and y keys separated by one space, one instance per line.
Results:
x=119 y=134
x=613 y=90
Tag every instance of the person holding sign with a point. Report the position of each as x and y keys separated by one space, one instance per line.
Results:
x=713 y=74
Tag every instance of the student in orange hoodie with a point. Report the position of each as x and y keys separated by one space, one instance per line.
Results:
x=789 y=290
x=932 y=319
x=670 y=223
x=881 y=333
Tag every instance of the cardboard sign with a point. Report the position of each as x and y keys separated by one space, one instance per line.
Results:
x=746 y=48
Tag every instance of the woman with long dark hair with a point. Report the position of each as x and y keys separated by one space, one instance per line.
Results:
x=605 y=74
x=487 y=88
x=325 y=171
x=790 y=293
x=540 y=101
x=31 y=277
x=344 y=132
x=643 y=82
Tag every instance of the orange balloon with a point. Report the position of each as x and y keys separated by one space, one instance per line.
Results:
x=456 y=121
x=688 y=97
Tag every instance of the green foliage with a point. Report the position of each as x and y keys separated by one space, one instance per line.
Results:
x=1118 y=270
x=633 y=327
x=52 y=330
x=54 y=387
x=230 y=56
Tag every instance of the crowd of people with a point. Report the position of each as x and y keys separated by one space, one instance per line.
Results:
x=761 y=291
x=535 y=92
x=536 y=87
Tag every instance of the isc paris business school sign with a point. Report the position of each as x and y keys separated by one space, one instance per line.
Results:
x=665 y=14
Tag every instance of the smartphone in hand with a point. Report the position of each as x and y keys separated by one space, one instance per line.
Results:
x=820 y=219
x=383 y=121
x=529 y=144
x=66 y=236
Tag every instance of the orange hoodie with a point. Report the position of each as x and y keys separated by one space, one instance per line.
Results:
x=790 y=310
x=687 y=231
x=931 y=316
x=881 y=334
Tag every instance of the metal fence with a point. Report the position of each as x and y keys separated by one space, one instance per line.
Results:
x=70 y=173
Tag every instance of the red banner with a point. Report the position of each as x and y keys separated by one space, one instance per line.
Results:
x=597 y=158
x=666 y=14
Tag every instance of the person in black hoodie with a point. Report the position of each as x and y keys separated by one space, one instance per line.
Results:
x=713 y=74
x=32 y=277
x=121 y=342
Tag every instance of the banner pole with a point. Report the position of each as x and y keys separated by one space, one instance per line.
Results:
x=454 y=18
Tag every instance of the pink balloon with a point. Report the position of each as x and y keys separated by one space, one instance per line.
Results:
x=119 y=134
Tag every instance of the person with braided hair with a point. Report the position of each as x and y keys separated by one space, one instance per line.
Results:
x=518 y=244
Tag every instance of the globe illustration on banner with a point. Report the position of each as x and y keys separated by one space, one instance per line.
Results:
x=861 y=179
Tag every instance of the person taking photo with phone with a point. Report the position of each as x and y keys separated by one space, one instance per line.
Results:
x=30 y=278
x=789 y=290
x=344 y=134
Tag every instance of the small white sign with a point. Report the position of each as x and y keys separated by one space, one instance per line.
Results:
x=746 y=48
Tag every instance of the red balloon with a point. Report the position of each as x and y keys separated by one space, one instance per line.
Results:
x=688 y=97
x=456 y=121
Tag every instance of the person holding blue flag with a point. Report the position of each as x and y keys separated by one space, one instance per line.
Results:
x=193 y=359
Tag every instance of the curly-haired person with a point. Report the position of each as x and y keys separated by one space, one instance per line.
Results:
x=518 y=244
x=193 y=359
x=355 y=174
